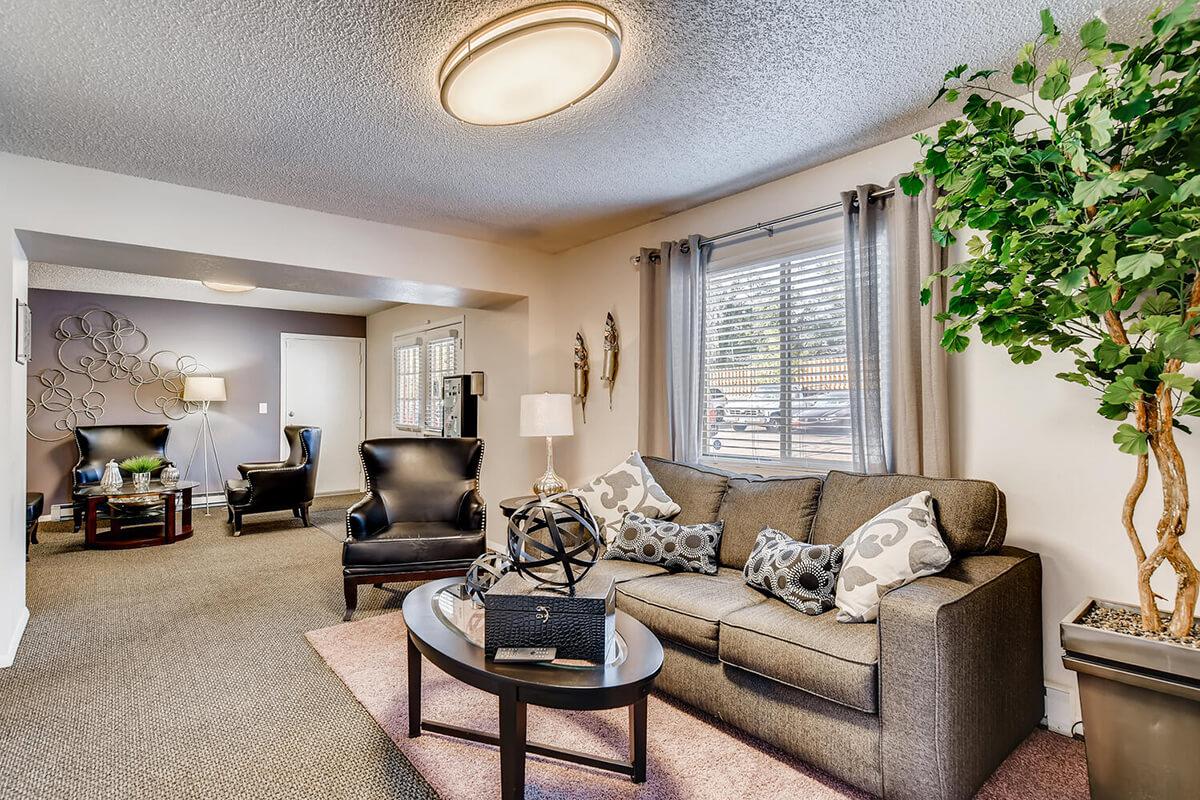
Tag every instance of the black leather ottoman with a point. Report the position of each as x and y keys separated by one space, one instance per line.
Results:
x=34 y=502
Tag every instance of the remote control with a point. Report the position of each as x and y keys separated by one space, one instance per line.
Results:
x=524 y=654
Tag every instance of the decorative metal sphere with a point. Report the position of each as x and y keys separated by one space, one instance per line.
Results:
x=484 y=572
x=554 y=541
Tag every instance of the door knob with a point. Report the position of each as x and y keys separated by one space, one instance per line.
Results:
x=291 y=413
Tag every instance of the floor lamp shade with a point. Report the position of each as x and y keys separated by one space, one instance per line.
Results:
x=546 y=415
x=202 y=389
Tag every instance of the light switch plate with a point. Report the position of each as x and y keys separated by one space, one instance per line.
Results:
x=262 y=408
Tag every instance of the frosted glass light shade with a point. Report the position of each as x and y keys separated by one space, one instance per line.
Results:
x=530 y=64
x=197 y=389
x=546 y=415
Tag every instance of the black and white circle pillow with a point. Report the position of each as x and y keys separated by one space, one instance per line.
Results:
x=801 y=575
x=680 y=548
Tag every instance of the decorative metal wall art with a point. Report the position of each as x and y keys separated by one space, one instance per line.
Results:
x=581 y=373
x=99 y=347
x=608 y=375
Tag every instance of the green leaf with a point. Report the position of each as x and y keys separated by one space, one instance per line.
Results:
x=1100 y=122
x=1189 y=188
x=1024 y=73
x=1177 y=380
x=1110 y=355
x=1097 y=299
x=1072 y=280
x=1090 y=193
x=1094 y=34
x=1130 y=440
x=1138 y=265
x=1189 y=407
x=1073 y=377
x=956 y=72
x=1048 y=26
x=911 y=184
x=1160 y=305
x=1057 y=81
x=1121 y=392
x=1178 y=344
x=1024 y=354
x=954 y=342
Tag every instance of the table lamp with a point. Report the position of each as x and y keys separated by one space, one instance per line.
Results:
x=547 y=415
x=204 y=390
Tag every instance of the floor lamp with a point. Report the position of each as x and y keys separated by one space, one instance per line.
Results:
x=204 y=390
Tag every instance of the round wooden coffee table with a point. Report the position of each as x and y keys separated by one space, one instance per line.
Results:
x=624 y=680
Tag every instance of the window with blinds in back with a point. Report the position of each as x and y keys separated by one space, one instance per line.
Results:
x=773 y=363
x=421 y=359
x=407 y=410
x=442 y=355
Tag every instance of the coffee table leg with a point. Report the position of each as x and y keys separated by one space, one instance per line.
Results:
x=512 y=746
x=169 y=518
x=637 y=740
x=89 y=525
x=414 y=689
x=187 y=511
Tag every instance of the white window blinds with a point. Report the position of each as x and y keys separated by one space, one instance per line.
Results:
x=774 y=368
x=420 y=360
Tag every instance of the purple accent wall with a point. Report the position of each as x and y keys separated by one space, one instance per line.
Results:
x=240 y=344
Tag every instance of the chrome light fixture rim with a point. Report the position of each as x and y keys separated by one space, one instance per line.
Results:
x=463 y=53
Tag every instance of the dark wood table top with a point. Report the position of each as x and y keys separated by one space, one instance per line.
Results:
x=604 y=686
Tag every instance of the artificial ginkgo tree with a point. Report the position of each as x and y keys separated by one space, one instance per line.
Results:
x=1087 y=208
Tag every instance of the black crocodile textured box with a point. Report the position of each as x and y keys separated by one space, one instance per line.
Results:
x=579 y=626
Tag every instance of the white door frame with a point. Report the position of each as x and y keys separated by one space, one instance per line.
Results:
x=284 y=338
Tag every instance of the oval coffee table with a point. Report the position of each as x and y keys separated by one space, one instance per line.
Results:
x=625 y=679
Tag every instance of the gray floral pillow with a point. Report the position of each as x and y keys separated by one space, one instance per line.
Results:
x=627 y=487
x=680 y=548
x=894 y=548
x=801 y=575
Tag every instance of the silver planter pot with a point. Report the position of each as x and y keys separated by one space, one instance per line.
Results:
x=1141 y=710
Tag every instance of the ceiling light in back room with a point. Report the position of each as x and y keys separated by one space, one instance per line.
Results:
x=233 y=288
x=530 y=64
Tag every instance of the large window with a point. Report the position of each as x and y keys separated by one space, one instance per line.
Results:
x=420 y=359
x=774 y=369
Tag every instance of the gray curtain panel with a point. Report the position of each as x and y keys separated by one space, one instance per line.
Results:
x=920 y=380
x=671 y=335
x=867 y=327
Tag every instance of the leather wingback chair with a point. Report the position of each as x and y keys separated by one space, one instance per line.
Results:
x=99 y=444
x=422 y=516
x=278 y=485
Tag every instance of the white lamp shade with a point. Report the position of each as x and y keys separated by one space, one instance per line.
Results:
x=198 y=389
x=546 y=415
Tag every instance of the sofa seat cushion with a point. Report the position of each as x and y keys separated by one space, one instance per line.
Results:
x=752 y=504
x=687 y=607
x=697 y=490
x=237 y=492
x=621 y=571
x=970 y=513
x=817 y=654
x=413 y=542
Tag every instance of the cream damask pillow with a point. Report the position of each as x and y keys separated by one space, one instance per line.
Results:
x=897 y=546
x=627 y=487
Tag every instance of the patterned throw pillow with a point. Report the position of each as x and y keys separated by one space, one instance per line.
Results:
x=897 y=546
x=801 y=575
x=680 y=548
x=627 y=487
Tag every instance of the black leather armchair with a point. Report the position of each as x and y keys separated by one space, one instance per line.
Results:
x=422 y=516
x=278 y=485
x=99 y=444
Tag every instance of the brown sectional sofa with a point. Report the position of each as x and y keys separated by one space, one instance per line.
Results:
x=925 y=703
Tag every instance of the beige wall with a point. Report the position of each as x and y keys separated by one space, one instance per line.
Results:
x=496 y=342
x=1037 y=437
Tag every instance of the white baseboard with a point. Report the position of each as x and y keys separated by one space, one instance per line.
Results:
x=10 y=651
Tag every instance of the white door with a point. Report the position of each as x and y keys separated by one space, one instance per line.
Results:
x=323 y=384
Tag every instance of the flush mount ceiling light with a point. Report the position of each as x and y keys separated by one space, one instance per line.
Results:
x=530 y=64
x=233 y=288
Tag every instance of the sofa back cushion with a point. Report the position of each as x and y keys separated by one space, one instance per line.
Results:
x=752 y=503
x=697 y=490
x=970 y=514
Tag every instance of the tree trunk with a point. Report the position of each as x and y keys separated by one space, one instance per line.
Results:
x=1172 y=524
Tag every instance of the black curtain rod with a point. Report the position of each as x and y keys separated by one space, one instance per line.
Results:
x=769 y=226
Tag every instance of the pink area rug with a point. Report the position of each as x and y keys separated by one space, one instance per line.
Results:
x=690 y=754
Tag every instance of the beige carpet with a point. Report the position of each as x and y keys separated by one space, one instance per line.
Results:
x=690 y=755
x=182 y=672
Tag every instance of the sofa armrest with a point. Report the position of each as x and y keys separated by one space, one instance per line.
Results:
x=960 y=673
x=367 y=517
x=471 y=512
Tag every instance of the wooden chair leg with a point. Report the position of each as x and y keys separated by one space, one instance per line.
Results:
x=237 y=523
x=77 y=517
x=304 y=515
x=296 y=512
x=33 y=532
x=351 y=591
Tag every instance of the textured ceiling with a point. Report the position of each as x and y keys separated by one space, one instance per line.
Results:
x=333 y=106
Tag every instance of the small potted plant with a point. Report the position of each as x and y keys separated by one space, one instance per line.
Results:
x=1087 y=204
x=141 y=467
